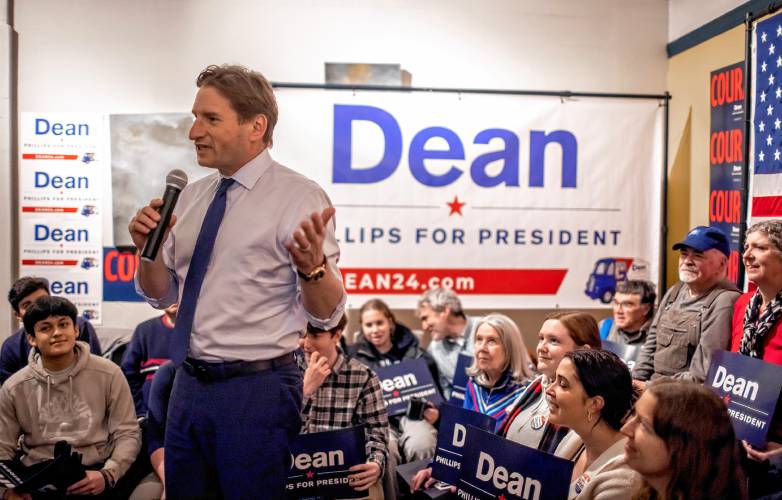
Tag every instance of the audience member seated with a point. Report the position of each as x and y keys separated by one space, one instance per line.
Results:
x=694 y=317
x=633 y=312
x=66 y=393
x=340 y=392
x=681 y=441
x=500 y=368
x=152 y=487
x=528 y=422
x=591 y=395
x=147 y=350
x=498 y=375
x=452 y=332
x=382 y=341
x=16 y=348
x=757 y=332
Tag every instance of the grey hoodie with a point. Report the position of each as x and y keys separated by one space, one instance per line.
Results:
x=88 y=405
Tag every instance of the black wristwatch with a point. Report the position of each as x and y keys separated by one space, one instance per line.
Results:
x=316 y=274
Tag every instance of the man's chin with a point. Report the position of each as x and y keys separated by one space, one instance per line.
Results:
x=687 y=277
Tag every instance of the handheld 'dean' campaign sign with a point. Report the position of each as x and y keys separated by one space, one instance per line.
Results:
x=320 y=463
x=451 y=438
x=460 y=379
x=627 y=353
x=402 y=381
x=493 y=467
x=750 y=388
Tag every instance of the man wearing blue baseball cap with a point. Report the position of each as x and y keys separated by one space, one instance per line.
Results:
x=694 y=317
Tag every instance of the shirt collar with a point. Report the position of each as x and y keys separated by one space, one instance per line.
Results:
x=507 y=378
x=253 y=170
x=338 y=364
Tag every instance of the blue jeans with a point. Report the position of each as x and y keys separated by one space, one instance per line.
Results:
x=229 y=438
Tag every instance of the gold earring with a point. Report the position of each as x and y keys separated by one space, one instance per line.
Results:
x=589 y=416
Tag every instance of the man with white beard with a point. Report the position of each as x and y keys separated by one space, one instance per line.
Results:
x=694 y=317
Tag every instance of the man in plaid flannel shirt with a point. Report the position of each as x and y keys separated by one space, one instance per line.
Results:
x=340 y=392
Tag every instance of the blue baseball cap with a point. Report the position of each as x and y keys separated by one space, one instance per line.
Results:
x=704 y=238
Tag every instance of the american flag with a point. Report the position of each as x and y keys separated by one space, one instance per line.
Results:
x=765 y=199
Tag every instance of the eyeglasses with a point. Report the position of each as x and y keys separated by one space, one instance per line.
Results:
x=626 y=305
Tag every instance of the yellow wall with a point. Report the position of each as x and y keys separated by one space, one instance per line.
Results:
x=688 y=140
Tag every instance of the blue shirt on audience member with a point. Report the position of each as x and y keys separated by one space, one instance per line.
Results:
x=147 y=350
x=159 y=394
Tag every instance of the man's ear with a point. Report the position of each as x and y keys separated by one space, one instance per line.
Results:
x=31 y=340
x=260 y=123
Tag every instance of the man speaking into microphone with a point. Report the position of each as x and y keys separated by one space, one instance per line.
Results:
x=251 y=257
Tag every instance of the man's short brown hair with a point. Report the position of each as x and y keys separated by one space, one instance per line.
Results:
x=248 y=91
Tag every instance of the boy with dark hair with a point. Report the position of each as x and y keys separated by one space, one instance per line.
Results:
x=340 y=392
x=67 y=394
x=16 y=348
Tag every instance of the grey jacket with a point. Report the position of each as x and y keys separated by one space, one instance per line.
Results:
x=686 y=332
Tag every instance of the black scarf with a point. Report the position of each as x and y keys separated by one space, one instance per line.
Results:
x=757 y=326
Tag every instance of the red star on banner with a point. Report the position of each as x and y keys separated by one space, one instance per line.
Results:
x=455 y=206
x=395 y=393
x=310 y=474
x=726 y=399
x=501 y=497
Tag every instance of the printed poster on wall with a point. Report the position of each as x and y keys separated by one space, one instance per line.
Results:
x=513 y=201
x=765 y=165
x=61 y=173
x=726 y=156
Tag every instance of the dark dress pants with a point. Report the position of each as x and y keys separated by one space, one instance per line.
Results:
x=229 y=438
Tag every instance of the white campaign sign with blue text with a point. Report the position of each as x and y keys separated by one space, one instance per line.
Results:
x=514 y=201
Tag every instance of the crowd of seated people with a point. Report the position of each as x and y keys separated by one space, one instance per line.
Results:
x=650 y=432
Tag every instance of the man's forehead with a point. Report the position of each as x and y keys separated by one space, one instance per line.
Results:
x=53 y=319
x=34 y=296
x=208 y=99
x=689 y=250
x=620 y=296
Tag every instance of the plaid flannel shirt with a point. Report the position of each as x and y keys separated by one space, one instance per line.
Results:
x=350 y=396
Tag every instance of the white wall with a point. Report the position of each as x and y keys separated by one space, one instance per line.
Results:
x=688 y=15
x=7 y=186
x=142 y=56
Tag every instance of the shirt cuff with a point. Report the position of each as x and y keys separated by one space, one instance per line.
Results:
x=168 y=299
x=331 y=321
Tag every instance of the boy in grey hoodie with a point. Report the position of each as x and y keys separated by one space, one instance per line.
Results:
x=67 y=394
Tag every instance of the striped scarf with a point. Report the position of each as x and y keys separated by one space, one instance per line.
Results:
x=757 y=326
x=493 y=401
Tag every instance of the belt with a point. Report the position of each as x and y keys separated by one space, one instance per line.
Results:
x=210 y=372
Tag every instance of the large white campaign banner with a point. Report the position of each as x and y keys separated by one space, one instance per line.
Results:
x=512 y=201
x=62 y=168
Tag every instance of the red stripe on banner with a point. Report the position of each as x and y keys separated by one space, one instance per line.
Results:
x=51 y=210
x=394 y=281
x=48 y=262
x=39 y=156
x=767 y=206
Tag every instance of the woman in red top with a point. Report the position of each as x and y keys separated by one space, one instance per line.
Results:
x=757 y=327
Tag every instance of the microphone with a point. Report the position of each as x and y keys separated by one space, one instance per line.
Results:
x=176 y=180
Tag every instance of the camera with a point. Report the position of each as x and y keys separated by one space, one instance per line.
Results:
x=415 y=408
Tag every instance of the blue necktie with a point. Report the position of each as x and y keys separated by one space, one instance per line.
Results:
x=199 y=262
